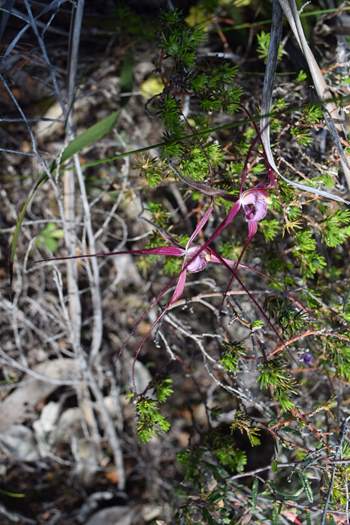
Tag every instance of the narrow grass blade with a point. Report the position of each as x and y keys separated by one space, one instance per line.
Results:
x=334 y=120
x=267 y=98
x=90 y=136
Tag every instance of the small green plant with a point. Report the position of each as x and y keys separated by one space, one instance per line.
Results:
x=231 y=458
x=150 y=421
x=230 y=357
x=302 y=136
x=312 y=115
x=305 y=252
x=180 y=41
x=336 y=228
x=164 y=389
x=302 y=76
x=244 y=425
x=270 y=229
x=263 y=46
x=49 y=237
x=202 y=159
x=340 y=359
x=289 y=318
x=159 y=214
x=274 y=377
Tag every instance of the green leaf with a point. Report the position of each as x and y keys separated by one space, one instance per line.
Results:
x=302 y=76
x=256 y=325
x=49 y=236
x=12 y=494
x=336 y=228
x=306 y=486
x=90 y=136
x=164 y=390
x=263 y=46
x=255 y=492
x=274 y=466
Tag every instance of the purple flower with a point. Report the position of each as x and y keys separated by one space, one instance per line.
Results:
x=254 y=204
x=252 y=201
x=308 y=358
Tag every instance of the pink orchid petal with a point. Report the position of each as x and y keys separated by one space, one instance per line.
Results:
x=214 y=259
x=252 y=229
x=180 y=286
x=171 y=251
x=226 y=222
x=200 y=226
x=197 y=263
x=223 y=260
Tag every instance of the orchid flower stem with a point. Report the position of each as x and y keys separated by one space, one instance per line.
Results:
x=228 y=288
x=250 y=151
x=235 y=276
x=258 y=135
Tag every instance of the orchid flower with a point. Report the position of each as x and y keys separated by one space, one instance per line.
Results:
x=195 y=259
x=253 y=202
x=192 y=263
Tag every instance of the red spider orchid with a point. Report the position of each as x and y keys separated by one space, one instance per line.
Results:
x=195 y=259
x=192 y=263
x=253 y=201
x=254 y=204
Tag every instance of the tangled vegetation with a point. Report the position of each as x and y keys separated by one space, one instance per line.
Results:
x=198 y=280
